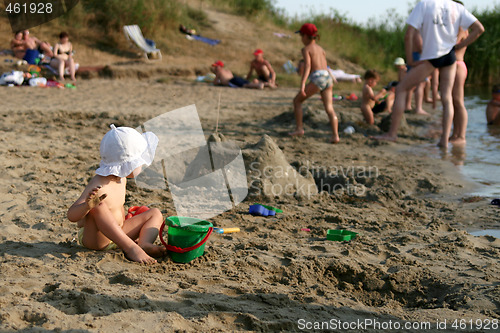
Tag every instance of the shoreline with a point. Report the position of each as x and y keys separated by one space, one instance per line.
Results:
x=411 y=262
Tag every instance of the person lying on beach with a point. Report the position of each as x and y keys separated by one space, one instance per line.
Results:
x=224 y=77
x=263 y=68
x=493 y=108
x=33 y=43
x=99 y=211
x=438 y=21
x=63 y=57
x=17 y=45
x=316 y=69
x=372 y=104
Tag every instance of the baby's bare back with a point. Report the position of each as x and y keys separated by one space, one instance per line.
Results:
x=114 y=188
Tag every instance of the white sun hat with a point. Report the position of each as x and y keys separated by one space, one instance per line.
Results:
x=399 y=61
x=124 y=149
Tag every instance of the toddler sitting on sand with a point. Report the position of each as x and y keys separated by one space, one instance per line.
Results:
x=372 y=104
x=99 y=211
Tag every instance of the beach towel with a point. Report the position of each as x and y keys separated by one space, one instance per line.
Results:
x=206 y=40
x=340 y=75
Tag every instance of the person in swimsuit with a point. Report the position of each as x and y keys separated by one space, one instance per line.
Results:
x=224 y=77
x=438 y=22
x=493 y=108
x=63 y=57
x=316 y=69
x=264 y=70
x=460 y=117
x=17 y=45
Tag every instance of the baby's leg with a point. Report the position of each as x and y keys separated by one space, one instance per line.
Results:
x=102 y=226
x=367 y=113
x=145 y=227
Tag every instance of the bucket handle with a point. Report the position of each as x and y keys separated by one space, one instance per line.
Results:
x=179 y=249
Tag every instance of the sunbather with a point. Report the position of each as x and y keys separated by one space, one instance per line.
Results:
x=63 y=57
x=224 y=77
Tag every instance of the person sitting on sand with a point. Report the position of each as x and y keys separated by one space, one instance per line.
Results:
x=33 y=43
x=263 y=68
x=224 y=77
x=63 y=57
x=372 y=104
x=493 y=108
x=99 y=211
x=438 y=21
x=17 y=45
x=316 y=69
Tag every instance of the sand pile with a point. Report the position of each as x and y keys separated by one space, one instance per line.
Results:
x=270 y=175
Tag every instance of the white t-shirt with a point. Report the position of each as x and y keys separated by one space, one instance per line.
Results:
x=438 y=22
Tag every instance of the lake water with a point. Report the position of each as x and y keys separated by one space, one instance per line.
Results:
x=479 y=160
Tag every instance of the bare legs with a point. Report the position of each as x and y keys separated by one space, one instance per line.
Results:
x=460 y=117
x=412 y=78
x=327 y=97
x=310 y=90
x=102 y=228
x=447 y=80
x=419 y=99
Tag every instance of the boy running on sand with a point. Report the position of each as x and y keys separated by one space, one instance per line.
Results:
x=99 y=211
x=438 y=21
x=263 y=68
x=372 y=104
x=493 y=108
x=315 y=68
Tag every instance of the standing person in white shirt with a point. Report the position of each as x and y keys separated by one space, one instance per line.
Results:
x=438 y=22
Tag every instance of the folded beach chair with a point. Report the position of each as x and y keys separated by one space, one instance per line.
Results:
x=134 y=35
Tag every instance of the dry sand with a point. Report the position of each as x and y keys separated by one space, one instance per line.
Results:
x=413 y=260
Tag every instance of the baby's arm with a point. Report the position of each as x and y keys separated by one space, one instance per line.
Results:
x=82 y=206
x=380 y=95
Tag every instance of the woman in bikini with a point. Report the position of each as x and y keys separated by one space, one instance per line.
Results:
x=460 y=117
x=63 y=57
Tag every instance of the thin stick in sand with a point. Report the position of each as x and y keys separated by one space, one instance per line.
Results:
x=218 y=111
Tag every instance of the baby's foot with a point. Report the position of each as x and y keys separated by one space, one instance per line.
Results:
x=155 y=250
x=297 y=133
x=138 y=255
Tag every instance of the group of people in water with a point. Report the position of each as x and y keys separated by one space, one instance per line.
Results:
x=60 y=57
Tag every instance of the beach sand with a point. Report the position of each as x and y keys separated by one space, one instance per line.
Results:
x=413 y=260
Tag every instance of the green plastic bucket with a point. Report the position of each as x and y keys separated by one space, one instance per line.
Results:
x=186 y=237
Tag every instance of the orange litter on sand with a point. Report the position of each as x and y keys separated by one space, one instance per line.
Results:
x=352 y=97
